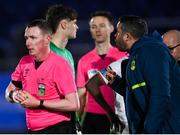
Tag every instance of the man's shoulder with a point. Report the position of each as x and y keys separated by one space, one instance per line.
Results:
x=154 y=46
x=88 y=55
x=26 y=59
x=114 y=48
x=56 y=56
x=68 y=52
x=58 y=61
x=117 y=53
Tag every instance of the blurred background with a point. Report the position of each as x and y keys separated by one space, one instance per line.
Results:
x=161 y=15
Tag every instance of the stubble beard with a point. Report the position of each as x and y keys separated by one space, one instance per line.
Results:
x=121 y=46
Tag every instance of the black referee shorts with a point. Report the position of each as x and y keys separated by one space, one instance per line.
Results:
x=96 y=124
x=64 y=127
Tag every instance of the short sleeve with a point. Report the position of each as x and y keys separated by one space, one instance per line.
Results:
x=17 y=74
x=80 y=80
x=64 y=78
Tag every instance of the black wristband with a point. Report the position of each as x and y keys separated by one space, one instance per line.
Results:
x=41 y=106
x=11 y=96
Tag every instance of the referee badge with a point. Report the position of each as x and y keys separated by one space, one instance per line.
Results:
x=41 y=89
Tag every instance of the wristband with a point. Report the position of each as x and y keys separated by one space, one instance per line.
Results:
x=41 y=106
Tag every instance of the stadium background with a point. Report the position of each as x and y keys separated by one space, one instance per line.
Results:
x=161 y=15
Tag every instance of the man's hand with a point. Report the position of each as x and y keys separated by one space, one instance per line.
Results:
x=30 y=102
x=18 y=96
x=116 y=125
x=110 y=75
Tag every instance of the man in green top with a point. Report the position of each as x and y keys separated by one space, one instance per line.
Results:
x=62 y=22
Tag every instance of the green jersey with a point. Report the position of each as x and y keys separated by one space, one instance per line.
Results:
x=64 y=53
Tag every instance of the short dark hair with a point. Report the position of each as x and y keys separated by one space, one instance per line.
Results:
x=41 y=23
x=56 y=13
x=105 y=14
x=135 y=25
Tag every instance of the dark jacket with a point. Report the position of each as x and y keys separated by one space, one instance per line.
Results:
x=153 y=88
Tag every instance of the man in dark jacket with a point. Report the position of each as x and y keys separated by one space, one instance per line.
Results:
x=152 y=79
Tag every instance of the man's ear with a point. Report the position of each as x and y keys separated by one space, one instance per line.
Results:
x=49 y=37
x=63 y=24
x=111 y=28
x=127 y=36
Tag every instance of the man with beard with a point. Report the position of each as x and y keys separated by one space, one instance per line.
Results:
x=152 y=79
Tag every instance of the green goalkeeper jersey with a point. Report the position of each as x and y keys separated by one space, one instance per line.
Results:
x=64 y=53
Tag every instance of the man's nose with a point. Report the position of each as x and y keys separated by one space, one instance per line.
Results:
x=27 y=42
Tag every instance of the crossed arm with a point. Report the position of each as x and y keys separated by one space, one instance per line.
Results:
x=15 y=94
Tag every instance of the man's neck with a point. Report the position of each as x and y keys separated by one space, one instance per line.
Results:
x=41 y=57
x=102 y=48
x=60 y=41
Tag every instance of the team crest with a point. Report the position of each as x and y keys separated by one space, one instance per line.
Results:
x=133 y=65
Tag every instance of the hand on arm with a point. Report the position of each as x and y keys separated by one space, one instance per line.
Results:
x=12 y=94
x=116 y=82
x=69 y=103
x=110 y=75
x=30 y=102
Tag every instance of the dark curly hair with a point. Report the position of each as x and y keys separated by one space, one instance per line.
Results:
x=56 y=13
x=135 y=25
